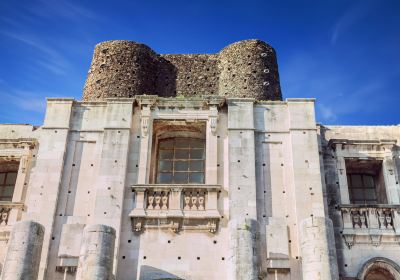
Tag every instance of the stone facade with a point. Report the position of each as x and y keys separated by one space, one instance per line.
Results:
x=192 y=167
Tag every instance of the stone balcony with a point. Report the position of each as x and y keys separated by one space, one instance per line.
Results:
x=9 y=213
x=370 y=224
x=176 y=207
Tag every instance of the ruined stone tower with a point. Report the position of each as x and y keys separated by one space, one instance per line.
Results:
x=126 y=69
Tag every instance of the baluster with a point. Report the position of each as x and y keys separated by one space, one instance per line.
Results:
x=157 y=200
x=201 y=201
x=356 y=219
x=381 y=218
x=388 y=217
x=150 y=201
x=4 y=212
x=194 y=203
x=164 y=200
x=186 y=201
x=363 y=220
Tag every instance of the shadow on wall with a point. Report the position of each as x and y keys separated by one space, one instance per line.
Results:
x=149 y=272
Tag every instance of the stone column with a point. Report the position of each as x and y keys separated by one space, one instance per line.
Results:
x=23 y=254
x=318 y=258
x=243 y=247
x=97 y=253
x=242 y=190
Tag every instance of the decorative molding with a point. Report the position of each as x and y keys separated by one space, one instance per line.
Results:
x=370 y=224
x=349 y=239
x=213 y=124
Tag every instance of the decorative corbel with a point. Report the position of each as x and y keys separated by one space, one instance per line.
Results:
x=145 y=125
x=137 y=224
x=174 y=226
x=349 y=239
x=213 y=124
x=212 y=226
x=376 y=239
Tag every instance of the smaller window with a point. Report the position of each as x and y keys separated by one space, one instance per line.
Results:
x=7 y=185
x=365 y=181
x=362 y=189
x=180 y=161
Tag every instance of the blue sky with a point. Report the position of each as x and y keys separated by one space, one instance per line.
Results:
x=344 y=53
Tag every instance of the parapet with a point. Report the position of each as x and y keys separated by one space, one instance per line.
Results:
x=125 y=69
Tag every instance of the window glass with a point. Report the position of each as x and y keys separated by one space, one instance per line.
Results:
x=164 y=178
x=181 y=177
x=7 y=185
x=181 y=161
x=196 y=165
x=196 y=177
x=8 y=191
x=181 y=165
x=165 y=165
x=166 y=154
x=197 y=154
x=362 y=189
x=182 y=154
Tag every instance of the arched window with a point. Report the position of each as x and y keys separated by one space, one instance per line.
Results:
x=379 y=269
x=179 y=152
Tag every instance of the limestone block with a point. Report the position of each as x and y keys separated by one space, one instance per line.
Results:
x=97 y=253
x=277 y=239
x=23 y=254
x=71 y=239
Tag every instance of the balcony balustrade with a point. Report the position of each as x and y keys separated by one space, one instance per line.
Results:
x=370 y=223
x=9 y=213
x=176 y=207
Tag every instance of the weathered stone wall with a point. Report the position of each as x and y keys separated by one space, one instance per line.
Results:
x=195 y=73
x=124 y=69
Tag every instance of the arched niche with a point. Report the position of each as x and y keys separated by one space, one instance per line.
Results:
x=379 y=269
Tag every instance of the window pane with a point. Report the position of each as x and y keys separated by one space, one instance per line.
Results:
x=164 y=178
x=182 y=154
x=356 y=194
x=181 y=177
x=370 y=194
x=182 y=143
x=196 y=177
x=181 y=165
x=2 y=178
x=356 y=181
x=11 y=178
x=197 y=144
x=196 y=165
x=165 y=165
x=167 y=144
x=166 y=154
x=368 y=181
x=197 y=154
x=8 y=191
